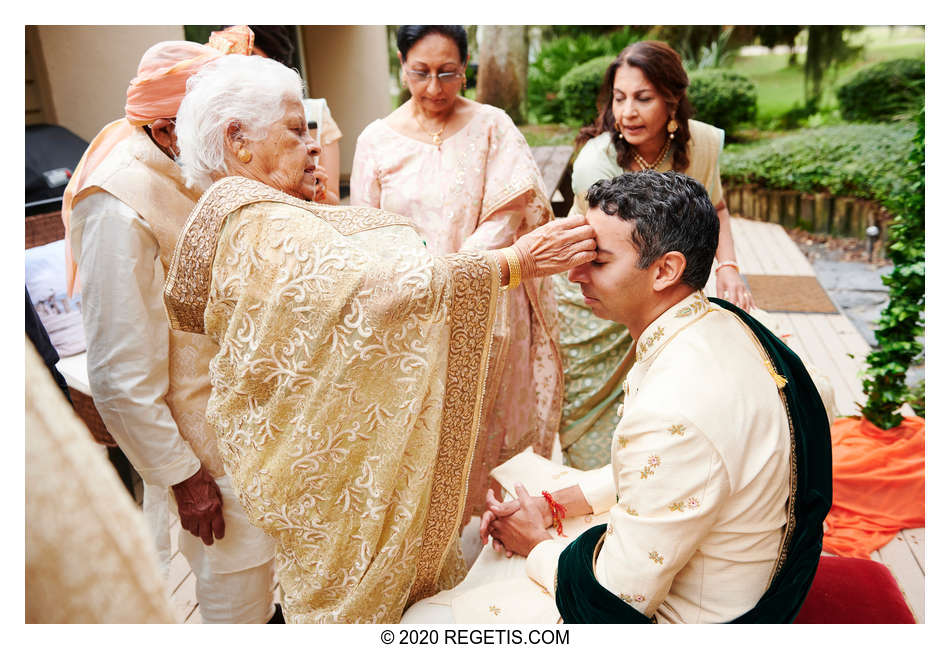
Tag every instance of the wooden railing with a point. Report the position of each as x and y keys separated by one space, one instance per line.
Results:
x=820 y=213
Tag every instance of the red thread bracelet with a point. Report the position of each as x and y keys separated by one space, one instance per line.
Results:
x=558 y=512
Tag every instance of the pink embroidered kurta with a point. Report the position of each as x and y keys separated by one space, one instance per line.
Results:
x=480 y=189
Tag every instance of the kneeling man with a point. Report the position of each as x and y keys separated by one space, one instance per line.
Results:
x=721 y=465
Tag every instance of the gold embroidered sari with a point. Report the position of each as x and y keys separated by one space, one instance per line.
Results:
x=347 y=391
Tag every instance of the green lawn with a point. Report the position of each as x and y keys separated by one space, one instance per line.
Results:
x=782 y=86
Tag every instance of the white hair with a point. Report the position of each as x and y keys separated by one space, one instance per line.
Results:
x=248 y=90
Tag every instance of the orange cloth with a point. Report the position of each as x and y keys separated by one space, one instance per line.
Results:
x=155 y=92
x=878 y=482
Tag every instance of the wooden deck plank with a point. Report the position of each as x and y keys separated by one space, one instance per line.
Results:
x=773 y=258
x=822 y=354
x=899 y=559
x=843 y=355
x=184 y=602
x=787 y=251
x=915 y=541
x=178 y=571
x=743 y=238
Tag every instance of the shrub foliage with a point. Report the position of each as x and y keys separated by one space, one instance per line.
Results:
x=578 y=90
x=722 y=97
x=883 y=91
x=557 y=57
x=901 y=322
x=860 y=160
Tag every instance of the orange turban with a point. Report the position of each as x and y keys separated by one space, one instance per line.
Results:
x=155 y=93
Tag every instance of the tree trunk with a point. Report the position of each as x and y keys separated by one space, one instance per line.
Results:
x=503 y=68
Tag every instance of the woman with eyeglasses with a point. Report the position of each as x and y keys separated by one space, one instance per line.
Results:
x=464 y=174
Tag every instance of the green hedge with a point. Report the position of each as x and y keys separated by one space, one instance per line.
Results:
x=883 y=91
x=722 y=97
x=559 y=56
x=578 y=90
x=859 y=160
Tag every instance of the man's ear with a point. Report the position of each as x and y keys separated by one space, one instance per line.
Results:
x=163 y=132
x=668 y=270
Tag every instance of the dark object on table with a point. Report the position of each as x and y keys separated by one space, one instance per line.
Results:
x=52 y=153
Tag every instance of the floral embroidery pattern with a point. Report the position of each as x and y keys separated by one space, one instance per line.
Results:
x=622 y=441
x=677 y=429
x=691 y=309
x=494 y=610
x=630 y=510
x=656 y=557
x=652 y=462
x=680 y=506
x=649 y=342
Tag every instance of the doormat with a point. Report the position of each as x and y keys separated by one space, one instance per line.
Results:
x=795 y=293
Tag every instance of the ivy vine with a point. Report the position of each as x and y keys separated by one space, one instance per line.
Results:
x=901 y=322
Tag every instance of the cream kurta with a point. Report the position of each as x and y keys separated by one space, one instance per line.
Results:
x=481 y=189
x=346 y=394
x=151 y=384
x=701 y=464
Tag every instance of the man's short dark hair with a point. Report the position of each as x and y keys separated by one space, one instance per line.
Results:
x=669 y=212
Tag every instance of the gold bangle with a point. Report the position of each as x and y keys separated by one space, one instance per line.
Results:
x=723 y=264
x=514 y=267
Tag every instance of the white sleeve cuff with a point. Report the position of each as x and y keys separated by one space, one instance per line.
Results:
x=541 y=564
x=599 y=489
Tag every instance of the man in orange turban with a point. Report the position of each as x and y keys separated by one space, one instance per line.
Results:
x=123 y=210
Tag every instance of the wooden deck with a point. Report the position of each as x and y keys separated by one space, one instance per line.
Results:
x=832 y=344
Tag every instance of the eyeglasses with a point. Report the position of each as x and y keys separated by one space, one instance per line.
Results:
x=444 y=78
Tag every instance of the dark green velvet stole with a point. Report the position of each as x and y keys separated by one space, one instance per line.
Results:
x=582 y=600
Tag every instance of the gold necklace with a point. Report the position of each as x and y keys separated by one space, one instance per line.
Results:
x=656 y=163
x=437 y=136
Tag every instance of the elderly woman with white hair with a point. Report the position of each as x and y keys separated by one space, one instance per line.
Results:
x=348 y=387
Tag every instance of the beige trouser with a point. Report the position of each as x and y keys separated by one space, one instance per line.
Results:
x=234 y=577
x=242 y=597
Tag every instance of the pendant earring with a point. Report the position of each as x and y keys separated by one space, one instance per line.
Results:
x=244 y=155
x=671 y=127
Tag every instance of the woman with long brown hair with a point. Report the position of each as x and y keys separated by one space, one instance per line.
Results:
x=643 y=123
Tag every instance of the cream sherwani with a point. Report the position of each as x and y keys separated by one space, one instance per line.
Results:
x=700 y=462
x=695 y=497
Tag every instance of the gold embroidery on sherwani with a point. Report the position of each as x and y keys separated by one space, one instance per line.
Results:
x=656 y=557
x=693 y=308
x=494 y=610
x=655 y=333
x=677 y=429
x=650 y=467
x=338 y=412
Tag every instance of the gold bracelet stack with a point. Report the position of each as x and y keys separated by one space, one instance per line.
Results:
x=514 y=267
